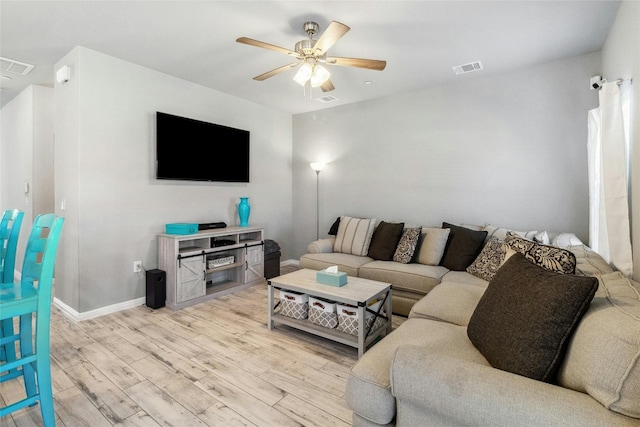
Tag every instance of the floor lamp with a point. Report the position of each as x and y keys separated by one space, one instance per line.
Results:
x=317 y=166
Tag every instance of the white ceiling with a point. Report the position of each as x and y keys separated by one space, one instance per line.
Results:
x=195 y=40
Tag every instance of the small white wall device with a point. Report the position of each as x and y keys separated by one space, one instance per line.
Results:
x=63 y=74
x=596 y=82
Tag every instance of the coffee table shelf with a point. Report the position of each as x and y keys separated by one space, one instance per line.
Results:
x=357 y=292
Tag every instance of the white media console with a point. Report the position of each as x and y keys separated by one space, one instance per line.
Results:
x=210 y=263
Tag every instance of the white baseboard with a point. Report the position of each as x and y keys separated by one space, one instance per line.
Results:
x=86 y=315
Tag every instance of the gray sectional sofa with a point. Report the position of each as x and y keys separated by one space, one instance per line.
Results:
x=435 y=369
x=410 y=281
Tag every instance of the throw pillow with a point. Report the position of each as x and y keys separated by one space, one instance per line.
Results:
x=549 y=257
x=407 y=245
x=431 y=245
x=491 y=258
x=463 y=246
x=524 y=320
x=333 y=231
x=385 y=240
x=354 y=235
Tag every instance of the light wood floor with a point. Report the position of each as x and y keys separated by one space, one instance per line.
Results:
x=213 y=364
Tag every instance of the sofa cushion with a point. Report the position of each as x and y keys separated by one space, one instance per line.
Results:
x=385 y=240
x=464 y=277
x=550 y=257
x=407 y=245
x=347 y=263
x=490 y=259
x=409 y=277
x=589 y=262
x=449 y=302
x=603 y=356
x=463 y=246
x=523 y=322
x=354 y=235
x=431 y=245
x=368 y=391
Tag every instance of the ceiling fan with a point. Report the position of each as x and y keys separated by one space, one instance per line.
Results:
x=310 y=54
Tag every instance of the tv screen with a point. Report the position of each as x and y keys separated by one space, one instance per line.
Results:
x=193 y=150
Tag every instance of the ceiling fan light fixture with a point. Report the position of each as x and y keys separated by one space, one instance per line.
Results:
x=319 y=76
x=304 y=74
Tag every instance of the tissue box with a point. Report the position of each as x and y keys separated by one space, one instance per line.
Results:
x=333 y=279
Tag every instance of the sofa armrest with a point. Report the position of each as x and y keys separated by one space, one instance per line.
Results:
x=453 y=391
x=321 y=246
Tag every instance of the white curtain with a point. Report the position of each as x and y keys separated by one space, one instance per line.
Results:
x=609 y=232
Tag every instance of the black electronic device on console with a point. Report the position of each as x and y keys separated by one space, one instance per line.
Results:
x=211 y=225
x=221 y=242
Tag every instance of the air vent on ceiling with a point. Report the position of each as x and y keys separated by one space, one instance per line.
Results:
x=327 y=98
x=14 y=66
x=468 y=68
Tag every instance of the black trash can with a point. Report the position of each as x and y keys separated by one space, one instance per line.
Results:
x=271 y=259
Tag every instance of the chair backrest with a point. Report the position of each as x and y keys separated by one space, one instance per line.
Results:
x=9 y=233
x=40 y=254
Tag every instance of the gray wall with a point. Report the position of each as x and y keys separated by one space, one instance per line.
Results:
x=621 y=60
x=105 y=154
x=508 y=150
x=26 y=155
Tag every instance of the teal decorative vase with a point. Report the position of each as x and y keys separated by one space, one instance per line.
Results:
x=244 y=209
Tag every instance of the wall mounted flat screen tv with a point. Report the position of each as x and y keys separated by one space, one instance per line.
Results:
x=193 y=150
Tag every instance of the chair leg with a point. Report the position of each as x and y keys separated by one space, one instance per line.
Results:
x=43 y=368
x=43 y=365
x=26 y=349
x=8 y=351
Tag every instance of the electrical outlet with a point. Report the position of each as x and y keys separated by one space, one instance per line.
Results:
x=137 y=266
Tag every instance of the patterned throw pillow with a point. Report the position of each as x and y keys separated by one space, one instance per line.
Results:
x=354 y=235
x=491 y=258
x=549 y=257
x=407 y=245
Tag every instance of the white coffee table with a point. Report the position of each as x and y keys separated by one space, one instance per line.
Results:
x=357 y=292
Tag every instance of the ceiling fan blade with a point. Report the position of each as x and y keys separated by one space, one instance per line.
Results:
x=371 y=64
x=258 y=43
x=331 y=35
x=327 y=86
x=275 y=71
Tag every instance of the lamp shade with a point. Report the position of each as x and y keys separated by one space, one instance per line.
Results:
x=303 y=74
x=317 y=166
x=319 y=76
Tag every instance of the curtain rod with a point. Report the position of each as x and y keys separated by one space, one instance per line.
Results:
x=620 y=81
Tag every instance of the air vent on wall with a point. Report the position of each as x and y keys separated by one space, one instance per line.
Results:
x=468 y=68
x=327 y=98
x=15 y=67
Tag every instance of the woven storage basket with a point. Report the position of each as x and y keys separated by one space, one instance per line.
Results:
x=294 y=304
x=348 y=320
x=323 y=312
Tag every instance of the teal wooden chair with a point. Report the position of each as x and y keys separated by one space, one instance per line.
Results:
x=9 y=234
x=32 y=296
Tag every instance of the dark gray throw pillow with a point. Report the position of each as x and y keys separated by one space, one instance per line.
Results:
x=333 y=231
x=463 y=246
x=523 y=322
x=385 y=240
